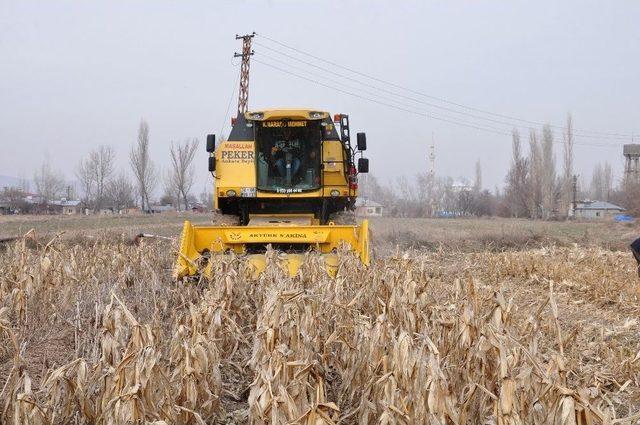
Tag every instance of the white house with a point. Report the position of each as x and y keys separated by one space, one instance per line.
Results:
x=368 y=208
x=594 y=210
x=66 y=206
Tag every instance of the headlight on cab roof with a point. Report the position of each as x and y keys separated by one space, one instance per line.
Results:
x=315 y=114
x=256 y=115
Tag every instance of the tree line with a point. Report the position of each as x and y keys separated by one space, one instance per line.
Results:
x=534 y=186
x=102 y=185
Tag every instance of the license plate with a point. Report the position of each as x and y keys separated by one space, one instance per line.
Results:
x=248 y=192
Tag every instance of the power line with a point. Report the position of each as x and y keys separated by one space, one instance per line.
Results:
x=398 y=86
x=363 y=84
x=408 y=97
x=377 y=96
x=226 y=115
x=404 y=109
x=400 y=108
x=405 y=105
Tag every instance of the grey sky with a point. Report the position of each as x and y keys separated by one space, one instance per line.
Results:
x=74 y=75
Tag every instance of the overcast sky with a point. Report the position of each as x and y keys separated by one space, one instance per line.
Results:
x=74 y=75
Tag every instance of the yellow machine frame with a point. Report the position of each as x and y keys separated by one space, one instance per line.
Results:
x=235 y=166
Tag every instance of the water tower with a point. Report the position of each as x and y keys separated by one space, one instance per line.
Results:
x=632 y=162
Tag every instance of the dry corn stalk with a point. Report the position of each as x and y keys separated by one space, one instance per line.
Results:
x=542 y=336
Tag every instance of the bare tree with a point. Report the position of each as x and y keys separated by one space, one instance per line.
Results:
x=171 y=193
x=85 y=176
x=143 y=168
x=549 y=188
x=49 y=182
x=567 y=186
x=94 y=173
x=102 y=161
x=484 y=204
x=182 y=175
x=373 y=190
x=23 y=183
x=518 y=187
x=119 y=192
x=426 y=197
x=601 y=182
x=206 y=199
x=14 y=197
x=477 y=184
x=607 y=181
x=447 y=196
x=536 y=172
x=405 y=201
x=206 y=196
x=629 y=196
x=597 y=183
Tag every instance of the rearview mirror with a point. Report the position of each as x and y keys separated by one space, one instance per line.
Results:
x=363 y=165
x=362 y=141
x=212 y=164
x=211 y=142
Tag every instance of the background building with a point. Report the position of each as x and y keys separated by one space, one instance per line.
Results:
x=368 y=208
x=65 y=206
x=593 y=210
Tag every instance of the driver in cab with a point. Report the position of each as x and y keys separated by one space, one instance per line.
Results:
x=286 y=154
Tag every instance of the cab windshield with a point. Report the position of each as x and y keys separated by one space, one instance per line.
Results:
x=288 y=155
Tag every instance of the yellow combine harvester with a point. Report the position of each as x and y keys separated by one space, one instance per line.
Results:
x=284 y=174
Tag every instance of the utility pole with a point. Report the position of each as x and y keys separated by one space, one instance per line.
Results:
x=243 y=94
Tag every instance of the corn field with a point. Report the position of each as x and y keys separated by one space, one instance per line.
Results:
x=96 y=332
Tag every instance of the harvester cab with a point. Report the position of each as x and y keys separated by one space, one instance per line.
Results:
x=284 y=174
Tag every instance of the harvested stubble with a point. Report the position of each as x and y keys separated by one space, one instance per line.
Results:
x=97 y=333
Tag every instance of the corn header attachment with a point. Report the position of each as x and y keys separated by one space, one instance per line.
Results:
x=206 y=240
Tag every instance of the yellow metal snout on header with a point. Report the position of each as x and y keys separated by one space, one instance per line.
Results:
x=197 y=239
